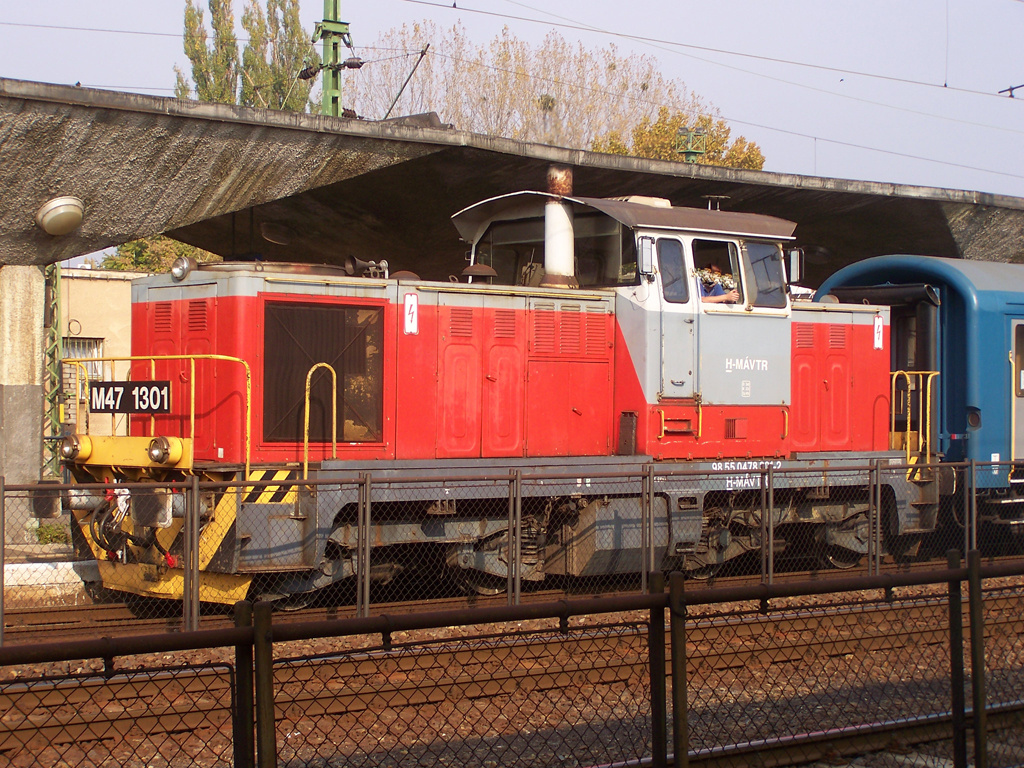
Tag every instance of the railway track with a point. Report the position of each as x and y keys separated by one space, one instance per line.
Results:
x=23 y=625
x=349 y=693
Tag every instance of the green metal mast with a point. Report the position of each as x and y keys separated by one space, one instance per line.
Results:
x=692 y=144
x=335 y=34
x=53 y=385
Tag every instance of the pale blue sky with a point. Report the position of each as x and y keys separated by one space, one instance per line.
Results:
x=884 y=90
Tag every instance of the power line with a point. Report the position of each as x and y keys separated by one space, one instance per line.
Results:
x=655 y=42
x=798 y=134
x=568 y=24
x=660 y=45
x=91 y=29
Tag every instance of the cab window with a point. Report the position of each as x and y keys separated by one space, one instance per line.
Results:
x=769 y=288
x=718 y=267
x=605 y=251
x=673 y=271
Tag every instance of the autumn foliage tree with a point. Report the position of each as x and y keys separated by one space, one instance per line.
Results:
x=264 y=74
x=659 y=139
x=554 y=92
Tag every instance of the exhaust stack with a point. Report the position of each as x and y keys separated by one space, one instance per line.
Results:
x=559 y=239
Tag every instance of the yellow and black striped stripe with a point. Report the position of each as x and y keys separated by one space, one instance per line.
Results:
x=272 y=494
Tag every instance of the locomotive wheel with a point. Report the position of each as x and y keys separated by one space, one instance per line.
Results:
x=484 y=584
x=700 y=569
x=704 y=572
x=840 y=558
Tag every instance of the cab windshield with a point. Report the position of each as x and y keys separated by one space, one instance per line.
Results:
x=605 y=251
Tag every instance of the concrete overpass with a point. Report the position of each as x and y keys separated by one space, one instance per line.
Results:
x=246 y=182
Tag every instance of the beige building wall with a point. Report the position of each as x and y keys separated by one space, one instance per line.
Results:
x=97 y=323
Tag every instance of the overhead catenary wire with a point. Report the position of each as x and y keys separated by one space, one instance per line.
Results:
x=657 y=43
x=787 y=131
x=672 y=46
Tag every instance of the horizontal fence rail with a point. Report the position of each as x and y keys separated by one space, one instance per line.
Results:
x=924 y=667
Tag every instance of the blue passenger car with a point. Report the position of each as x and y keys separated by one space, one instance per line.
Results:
x=964 y=319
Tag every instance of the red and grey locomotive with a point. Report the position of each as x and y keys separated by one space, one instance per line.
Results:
x=587 y=337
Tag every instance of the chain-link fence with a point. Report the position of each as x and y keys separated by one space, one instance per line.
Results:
x=521 y=698
x=157 y=716
x=178 y=555
x=880 y=670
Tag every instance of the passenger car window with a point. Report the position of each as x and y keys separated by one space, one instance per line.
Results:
x=673 y=271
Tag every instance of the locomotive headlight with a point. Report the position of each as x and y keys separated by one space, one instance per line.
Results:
x=75 y=447
x=165 y=450
x=182 y=266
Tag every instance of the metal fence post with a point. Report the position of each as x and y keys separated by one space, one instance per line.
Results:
x=517 y=540
x=363 y=547
x=771 y=525
x=971 y=512
x=510 y=576
x=956 y=664
x=190 y=558
x=657 y=671
x=186 y=565
x=764 y=527
x=263 y=655
x=680 y=721
x=977 y=658
x=194 y=538
x=647 y=562
x=875 y=518
x=243 y=722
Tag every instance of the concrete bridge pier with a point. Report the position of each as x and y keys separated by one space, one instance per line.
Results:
x=22 y=339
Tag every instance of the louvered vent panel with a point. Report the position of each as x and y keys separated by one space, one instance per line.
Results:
x=504 y=324
x=597 y=332
x=570 y=332
x=805 y=336
x=544 y=328
x=162 y=318
x=197 y=316
x=462 y=321
x=837 y=337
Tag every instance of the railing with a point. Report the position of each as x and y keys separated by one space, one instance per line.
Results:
x=334 y=416
x=919 y=382
x=781 y=675
x=82 y=384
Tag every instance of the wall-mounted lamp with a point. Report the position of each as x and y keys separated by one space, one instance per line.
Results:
x=60 y=216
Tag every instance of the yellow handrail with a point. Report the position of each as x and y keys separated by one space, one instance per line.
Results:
x=334 y=417
x=79 y=363
x=924 y=379
x=697 y=401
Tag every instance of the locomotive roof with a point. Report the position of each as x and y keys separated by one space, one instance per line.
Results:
x=474 y=220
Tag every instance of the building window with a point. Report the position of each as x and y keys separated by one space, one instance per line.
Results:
x=90 y=351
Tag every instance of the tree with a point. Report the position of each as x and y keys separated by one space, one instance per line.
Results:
x=153 y=254
x=555 y=92
x=659 y=140
x=266 y=73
